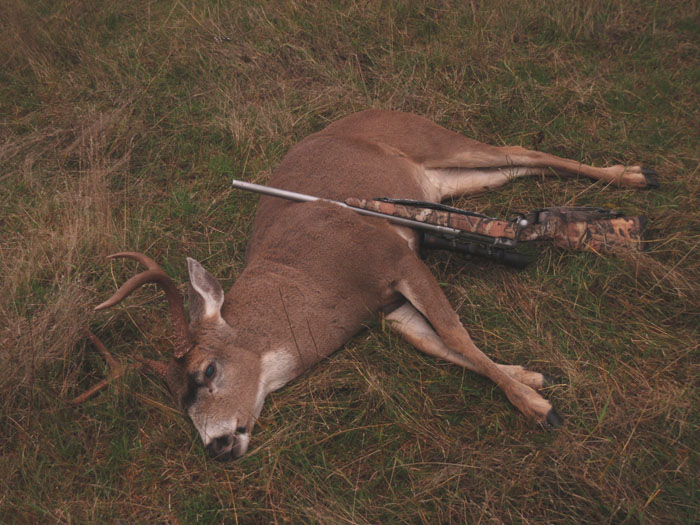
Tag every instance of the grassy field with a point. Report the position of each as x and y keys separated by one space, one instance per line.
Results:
x=121 y=125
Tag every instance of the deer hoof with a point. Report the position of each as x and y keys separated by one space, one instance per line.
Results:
x=651 y=178
x=553 y=419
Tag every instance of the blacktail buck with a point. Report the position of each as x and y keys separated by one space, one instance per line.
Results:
x=316 y=272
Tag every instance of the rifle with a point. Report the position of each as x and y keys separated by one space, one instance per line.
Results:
x=474 y=234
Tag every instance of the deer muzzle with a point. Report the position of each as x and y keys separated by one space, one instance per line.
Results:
x=229 y=446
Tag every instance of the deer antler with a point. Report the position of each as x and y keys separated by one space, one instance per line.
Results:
x=155 y=274
x=117 y=368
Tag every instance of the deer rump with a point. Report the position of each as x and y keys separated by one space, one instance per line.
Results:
x=316 y=272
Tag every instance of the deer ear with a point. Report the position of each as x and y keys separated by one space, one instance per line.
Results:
x=206 y=294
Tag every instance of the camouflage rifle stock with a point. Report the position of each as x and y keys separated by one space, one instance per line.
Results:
x=574 y=228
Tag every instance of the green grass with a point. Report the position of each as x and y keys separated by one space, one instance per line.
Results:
x=120 y=128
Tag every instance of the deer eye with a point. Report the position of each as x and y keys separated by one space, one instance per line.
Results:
x=209 y=372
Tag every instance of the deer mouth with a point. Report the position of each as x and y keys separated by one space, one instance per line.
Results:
x=228 y=446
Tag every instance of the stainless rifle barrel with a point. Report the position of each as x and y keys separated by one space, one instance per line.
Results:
x=410 y=223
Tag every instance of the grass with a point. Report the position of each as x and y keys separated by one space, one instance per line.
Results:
x=121 y=126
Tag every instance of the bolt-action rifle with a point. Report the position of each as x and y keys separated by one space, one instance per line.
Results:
x=473 y=234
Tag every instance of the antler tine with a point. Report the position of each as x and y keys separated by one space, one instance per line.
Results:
x=138 y=280
x=116 y=368
x=140 y=257
x=155 y=274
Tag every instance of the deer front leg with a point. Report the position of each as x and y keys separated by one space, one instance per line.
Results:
x=430 y=323
x=412 y=326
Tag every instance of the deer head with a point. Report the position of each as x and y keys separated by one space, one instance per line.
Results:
x=217 y=384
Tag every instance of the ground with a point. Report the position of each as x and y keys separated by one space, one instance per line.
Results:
x=121 y=125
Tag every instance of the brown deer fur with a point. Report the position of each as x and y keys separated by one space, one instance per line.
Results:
x=315 y=272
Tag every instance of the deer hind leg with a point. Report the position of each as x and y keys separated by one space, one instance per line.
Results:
x=430 y=323
x=479 y=167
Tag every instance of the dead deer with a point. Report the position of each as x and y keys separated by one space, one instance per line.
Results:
x=316 y=272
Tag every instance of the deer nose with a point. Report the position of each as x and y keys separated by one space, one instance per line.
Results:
x=220 y=448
